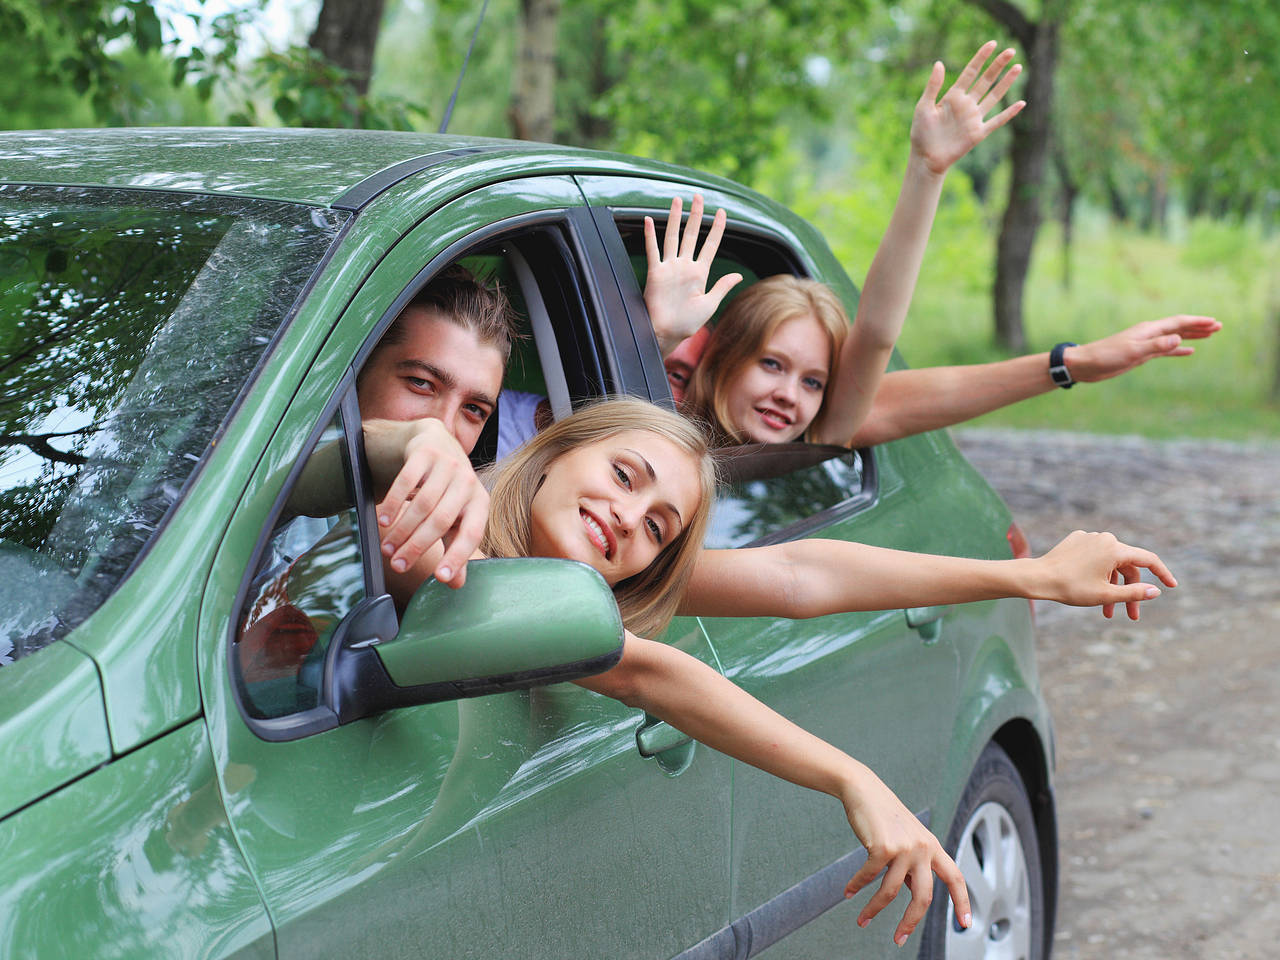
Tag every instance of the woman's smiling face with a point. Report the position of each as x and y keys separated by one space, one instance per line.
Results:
x=775 y=397
x=615 y=504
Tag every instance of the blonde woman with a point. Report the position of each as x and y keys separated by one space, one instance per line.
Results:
x=626 y=487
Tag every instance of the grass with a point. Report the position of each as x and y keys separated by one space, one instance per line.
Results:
x=1120 y=277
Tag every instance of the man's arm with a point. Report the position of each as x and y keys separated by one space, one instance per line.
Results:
x=942 y=131
x=927 y=398
x=812 y=578
x=700 y=702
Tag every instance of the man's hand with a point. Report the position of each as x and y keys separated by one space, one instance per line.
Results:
x=675 y=290
x=434 y=498
x=1091 y=569
x=944 y=131
x=1121 y=352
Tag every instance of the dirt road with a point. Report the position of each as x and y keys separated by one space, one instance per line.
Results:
x=1168 y=729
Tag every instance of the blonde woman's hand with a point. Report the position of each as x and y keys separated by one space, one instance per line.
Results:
x=900 y=845
x=675 y=290
x=1092 y=569
x=943 y=131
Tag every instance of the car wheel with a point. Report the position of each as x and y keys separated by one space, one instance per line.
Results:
x=993 y=841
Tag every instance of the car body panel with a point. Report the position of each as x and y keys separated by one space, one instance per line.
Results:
x=52 y=705
x=133 y=860
x=524 y=820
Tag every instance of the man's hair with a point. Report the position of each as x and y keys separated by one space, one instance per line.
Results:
x=647 y=600
x=740 y=336
x=458 y=296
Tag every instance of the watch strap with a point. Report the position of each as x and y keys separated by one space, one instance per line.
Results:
x=1057 y=365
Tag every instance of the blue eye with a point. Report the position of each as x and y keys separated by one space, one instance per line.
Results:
x=770 y=363
x=814 y=384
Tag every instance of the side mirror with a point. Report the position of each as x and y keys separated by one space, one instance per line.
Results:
x=516 y=624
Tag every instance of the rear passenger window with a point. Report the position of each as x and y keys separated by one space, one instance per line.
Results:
x=782 y=491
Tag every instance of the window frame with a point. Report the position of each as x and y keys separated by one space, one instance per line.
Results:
x=581 y=281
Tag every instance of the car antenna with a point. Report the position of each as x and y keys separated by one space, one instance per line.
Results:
x=448 y=111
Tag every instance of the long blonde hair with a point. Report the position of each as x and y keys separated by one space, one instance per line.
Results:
x=648 y=599
x=740 y=337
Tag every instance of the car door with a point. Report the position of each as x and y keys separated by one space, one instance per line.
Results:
x=525 y=823
x=881 y=685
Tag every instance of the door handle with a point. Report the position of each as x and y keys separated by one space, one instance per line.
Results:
x=655 y=736
x=927 y=621
x=669 y=748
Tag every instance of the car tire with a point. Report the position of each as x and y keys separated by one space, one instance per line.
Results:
x=993 y=840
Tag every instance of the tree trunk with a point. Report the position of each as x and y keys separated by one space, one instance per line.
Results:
x=1068 y=191
x=1273 y=308
x=533 y=106
x=1029 y=151
x=346 y=34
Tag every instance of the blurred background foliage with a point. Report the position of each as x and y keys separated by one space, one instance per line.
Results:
x=1150 y=184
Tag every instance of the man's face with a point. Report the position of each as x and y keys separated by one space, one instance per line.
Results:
x=438 y=369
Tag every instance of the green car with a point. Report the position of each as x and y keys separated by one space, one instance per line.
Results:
x=185 y=312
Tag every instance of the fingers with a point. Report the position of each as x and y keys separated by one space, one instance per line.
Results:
x=920 y=883
x=464 y=539
x=868 y=872
x=888 y=891
x=950 y=874
x=651 y=243
x=1137 y=557
x=933 y=86
x=671 y=238
x=689 y=242
x=712 y=243
x=1003 y=117
x=971 y=69
x=1191 y=327
x=994 y=96
x=723 y=286
x=991 y=75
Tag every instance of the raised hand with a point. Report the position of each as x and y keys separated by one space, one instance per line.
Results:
x=1121 y=352
x=943 y=131
x=1088 y=569
x=906 y=851
x=675 y=290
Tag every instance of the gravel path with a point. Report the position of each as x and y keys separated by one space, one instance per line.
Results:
x=1168 y=730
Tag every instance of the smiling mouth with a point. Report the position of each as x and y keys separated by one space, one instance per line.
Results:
x=597 y=533
x=772 y=418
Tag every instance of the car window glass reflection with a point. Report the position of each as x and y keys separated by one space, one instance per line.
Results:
x=311 y=575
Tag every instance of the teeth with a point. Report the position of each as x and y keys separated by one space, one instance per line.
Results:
x=598 y=531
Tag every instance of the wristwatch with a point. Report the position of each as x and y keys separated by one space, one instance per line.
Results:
x=1058 y=367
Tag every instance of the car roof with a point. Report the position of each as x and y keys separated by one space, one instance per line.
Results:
x=322 y=167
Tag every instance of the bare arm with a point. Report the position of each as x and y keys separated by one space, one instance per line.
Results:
x=913 y=401
x=697 y=700
x=941 y=133
x=811 y=578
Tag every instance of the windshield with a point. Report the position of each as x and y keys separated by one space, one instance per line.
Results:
x=129 y=323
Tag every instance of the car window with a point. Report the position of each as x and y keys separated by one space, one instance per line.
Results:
x=317 y=564
x=310 y=576
x=780 y=491
x=132 y=321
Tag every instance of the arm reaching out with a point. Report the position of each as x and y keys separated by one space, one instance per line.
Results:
x=812 y=578
x=942 y=131
x=675 y=290
x=697 y=700
x=927 y=398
